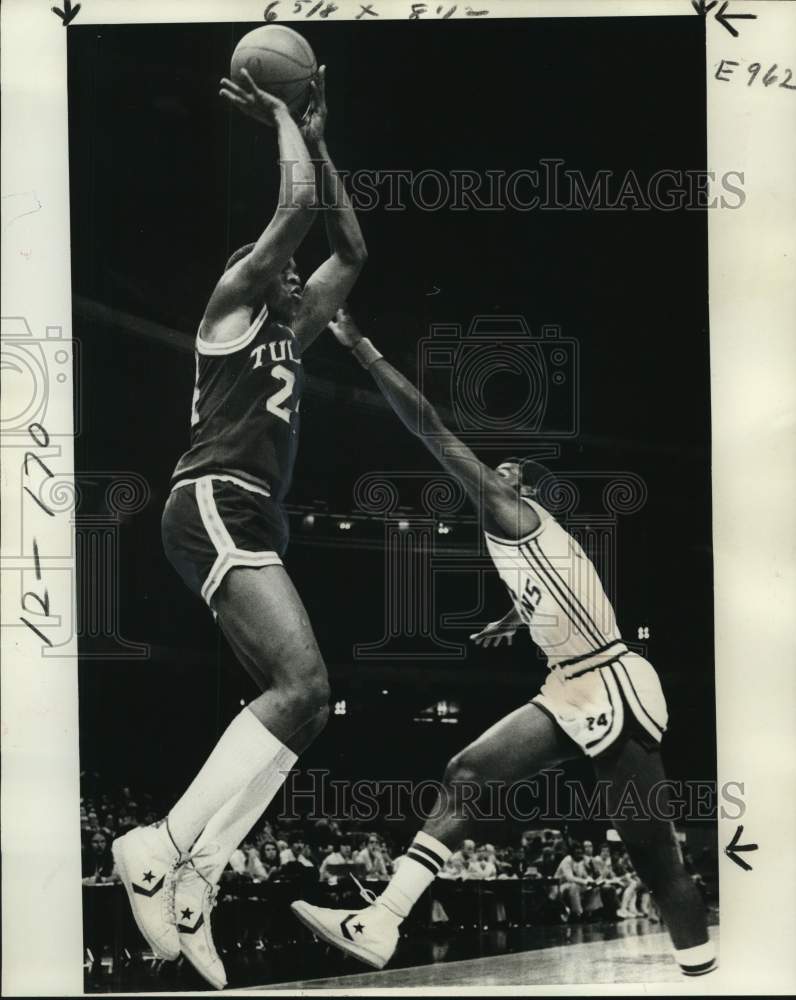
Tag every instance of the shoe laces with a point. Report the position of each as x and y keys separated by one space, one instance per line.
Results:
x=368 y=895
x=170 y=891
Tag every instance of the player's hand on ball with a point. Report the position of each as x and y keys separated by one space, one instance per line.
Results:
x=345 y=329
x=313 y=124
x=494 y=633
x=252 y=101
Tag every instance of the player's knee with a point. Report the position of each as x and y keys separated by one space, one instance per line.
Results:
x=462 y=769
x=309 y=696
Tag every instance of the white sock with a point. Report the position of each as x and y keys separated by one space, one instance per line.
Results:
x=418 y=868
x=228 y=827
x=696 y=961
x=245 y=750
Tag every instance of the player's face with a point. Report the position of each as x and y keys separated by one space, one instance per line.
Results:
x=291 y=282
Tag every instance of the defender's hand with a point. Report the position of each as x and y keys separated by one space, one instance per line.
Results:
x=494 y=634
x=345 y=329
x=252 y=101
x=313 y=123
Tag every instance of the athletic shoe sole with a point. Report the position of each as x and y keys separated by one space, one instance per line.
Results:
x=121 y=868
x=300 y=909
x=214 y=983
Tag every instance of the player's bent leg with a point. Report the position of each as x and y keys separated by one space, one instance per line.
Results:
x=524 y=742
x=653 y=847
x=264 y=620
x=518 y=746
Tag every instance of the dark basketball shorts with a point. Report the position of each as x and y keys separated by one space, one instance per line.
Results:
x=212 y=524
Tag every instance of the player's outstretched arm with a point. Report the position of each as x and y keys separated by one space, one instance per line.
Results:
x=295 y=208
x=496 y=501
x=327 y=289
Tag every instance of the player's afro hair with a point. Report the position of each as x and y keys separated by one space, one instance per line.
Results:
x=532 y=474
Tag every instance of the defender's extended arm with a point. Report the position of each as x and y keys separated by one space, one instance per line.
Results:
x=497 y=502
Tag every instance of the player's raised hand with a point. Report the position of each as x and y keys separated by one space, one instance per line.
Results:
x=313 y=124
x=251 y=100
x=494 y=633
x=345 y=329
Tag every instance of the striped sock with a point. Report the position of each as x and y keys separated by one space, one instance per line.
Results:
x=696 y=961
x=418 y=868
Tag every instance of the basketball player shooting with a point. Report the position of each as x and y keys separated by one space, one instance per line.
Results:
x=599 y=699
x=225 y=531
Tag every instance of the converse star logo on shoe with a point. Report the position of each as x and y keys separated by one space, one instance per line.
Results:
x=344 y=926
x=149 y=892
x=147 y=876
x=187 y=913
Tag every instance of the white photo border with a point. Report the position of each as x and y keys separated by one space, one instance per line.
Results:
x=753 y=361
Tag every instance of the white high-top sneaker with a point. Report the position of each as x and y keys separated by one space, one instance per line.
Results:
x=146 y=860
x=194 y=900
x=371 y=935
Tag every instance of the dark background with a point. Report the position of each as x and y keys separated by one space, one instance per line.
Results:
x=165 y=182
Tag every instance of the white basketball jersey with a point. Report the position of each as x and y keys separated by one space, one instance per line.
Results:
x=557 y=593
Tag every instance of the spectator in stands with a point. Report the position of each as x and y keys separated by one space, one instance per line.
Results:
x=574 y=880
x=480 y=866
x=371 y=857
x=98 y=861
x=295 y=854
x=457 y=863
x=269 y=854
x=546 y=863
x=342 y=856
x=254 y=864
x=295 y=865
x=623 y=868
x=506 y=862
x=609 y=884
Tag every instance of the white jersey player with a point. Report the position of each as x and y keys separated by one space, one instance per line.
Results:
x=599 y=699
x=557 y=593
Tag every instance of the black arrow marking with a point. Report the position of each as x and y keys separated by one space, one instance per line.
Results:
x=724 y=18
x=69 y=13
x=701 y=7
x=732 y=849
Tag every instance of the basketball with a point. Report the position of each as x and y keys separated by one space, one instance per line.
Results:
x=280 y=61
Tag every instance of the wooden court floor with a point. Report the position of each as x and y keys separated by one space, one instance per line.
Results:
x=626 y=958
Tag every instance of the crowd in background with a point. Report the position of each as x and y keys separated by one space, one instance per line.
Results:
x=578 y=881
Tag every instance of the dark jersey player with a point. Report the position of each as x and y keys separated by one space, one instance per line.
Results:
x=224 y=531
x=600 y=700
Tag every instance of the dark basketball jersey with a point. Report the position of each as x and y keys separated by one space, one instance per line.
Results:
x=244 y=415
